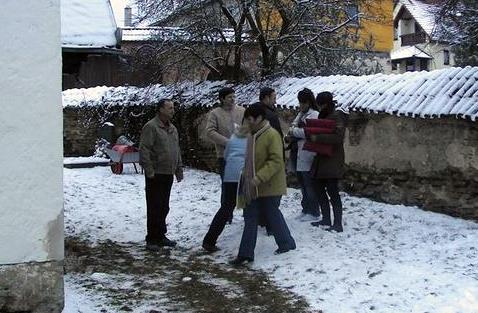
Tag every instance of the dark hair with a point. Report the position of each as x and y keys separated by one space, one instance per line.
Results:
x=223 y=92
x=326 y=101
x=307 y=96
x=254 y=110
x=265 y=92
x=325 y=98
x=162 y=102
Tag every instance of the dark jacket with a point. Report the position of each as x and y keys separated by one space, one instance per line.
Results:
x=323 y=166
x=273 y=118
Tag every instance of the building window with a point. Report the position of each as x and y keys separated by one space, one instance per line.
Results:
x=394 y=66
x=423 y=65
x=395 y=33
x=418 y=29
x=352 y=13
x=446 y=57
x=410 y=66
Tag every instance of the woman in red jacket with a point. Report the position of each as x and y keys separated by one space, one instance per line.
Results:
x=327 y=170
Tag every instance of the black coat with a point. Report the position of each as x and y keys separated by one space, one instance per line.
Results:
x=273 y=118
x=333 y=166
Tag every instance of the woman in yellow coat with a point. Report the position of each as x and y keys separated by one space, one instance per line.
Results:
x=262 y=185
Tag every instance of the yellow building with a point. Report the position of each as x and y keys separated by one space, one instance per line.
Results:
x=376 y=26
x=371 y=27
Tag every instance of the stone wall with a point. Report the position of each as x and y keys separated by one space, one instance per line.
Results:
x=432 y=163
x=31 y=287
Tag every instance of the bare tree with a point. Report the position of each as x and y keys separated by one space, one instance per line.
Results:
x=458 y=20
x=291 y=36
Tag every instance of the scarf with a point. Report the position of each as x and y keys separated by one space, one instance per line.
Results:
x=247 y=189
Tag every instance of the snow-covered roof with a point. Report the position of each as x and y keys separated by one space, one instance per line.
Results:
x=87 y=24
x=445 y=92
x=175 y=33
x=152 y=33
x=409 y=52
x=424 y=14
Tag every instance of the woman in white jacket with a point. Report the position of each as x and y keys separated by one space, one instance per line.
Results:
x=308 y=110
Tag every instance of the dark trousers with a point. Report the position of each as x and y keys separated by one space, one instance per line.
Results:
x=221 y=165
x=275 y=220
x=158 y=190
x=223 y=215
x=310 y=203
x=329 y=188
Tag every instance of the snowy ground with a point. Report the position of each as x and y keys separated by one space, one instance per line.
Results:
x=390 y=258
x=83 y=160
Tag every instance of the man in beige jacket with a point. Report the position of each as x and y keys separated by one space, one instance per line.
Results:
x=221 y=124
x=160 y=157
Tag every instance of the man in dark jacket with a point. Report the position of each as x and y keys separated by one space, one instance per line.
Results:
x=327 y=170
x=160 y=157
x=267 y=99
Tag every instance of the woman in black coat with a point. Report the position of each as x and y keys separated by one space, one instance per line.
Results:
x=327 y=170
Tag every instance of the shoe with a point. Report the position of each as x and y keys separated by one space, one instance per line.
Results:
x=153 y=247
x=210 y=248
x=240 y=260
x=165 y=242
x=321 y=223
x=335 y=228
x=282 y=250
x=307 y=217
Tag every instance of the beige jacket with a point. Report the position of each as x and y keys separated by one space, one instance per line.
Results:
x=221 y=125
x=159 y=149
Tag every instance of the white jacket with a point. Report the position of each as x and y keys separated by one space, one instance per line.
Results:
x=304 y=157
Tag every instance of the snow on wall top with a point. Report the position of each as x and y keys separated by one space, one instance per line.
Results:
x=446 y=92
x=87 y=23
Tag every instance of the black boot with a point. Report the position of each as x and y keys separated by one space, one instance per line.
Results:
x=210 y=248
x=336 y=228
x=241 y=260
x=321 y=223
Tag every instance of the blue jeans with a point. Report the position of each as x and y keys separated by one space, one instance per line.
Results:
x=275 y=219
x=310 y=200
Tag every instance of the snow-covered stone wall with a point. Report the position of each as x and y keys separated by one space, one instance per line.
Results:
x=31 y=194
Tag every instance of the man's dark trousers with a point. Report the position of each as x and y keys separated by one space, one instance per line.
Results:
x=158 y=190
x=221 y=165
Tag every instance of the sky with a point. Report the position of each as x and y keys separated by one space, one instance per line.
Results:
x=118 y=9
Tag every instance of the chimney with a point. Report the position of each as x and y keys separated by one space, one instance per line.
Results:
x=128 y=17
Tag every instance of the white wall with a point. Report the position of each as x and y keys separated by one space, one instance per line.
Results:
x=31 y=196
x=436 y=51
